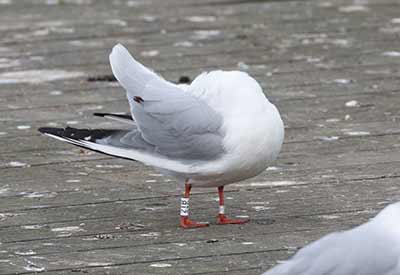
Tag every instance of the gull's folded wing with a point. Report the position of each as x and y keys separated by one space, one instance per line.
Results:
x=179 y=125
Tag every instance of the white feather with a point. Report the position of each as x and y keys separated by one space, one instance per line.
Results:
x=370 y=249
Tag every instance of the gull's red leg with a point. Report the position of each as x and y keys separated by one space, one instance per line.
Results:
x=185 y=221
x=222 y=219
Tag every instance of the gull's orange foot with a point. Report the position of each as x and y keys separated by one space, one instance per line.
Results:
x=222 y=219
x=186 y=223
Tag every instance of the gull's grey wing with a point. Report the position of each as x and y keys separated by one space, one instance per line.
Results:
x=179 y=125
x=126 y=139
x=128 y=144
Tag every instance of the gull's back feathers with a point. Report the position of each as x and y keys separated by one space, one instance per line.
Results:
x=369 y=249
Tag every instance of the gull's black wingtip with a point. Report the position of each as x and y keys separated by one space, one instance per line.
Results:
x=100 y=114
x=45 y=130
x=114 y=115
x=49 y=130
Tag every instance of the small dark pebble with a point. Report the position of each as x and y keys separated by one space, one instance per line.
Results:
x=104 y=236
x=212 y=241
x=184 y=80
x=102 y=78
x=156 y=204
x=241 y=36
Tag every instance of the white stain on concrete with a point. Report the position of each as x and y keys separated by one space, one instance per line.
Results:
x=352 y=103
x=357 y=133
x=36 y=58
x=73 y=181
x=148 y=18
x=160 y=265
x=340 y=42
x=133 y=3
x=17 y=164
x=37 y=76
x=331 y=120
x=51 y=23
x=270 y=183
x=41 y=32
x=260 y=208
x=186 y=44
x=33 y=195
x=23 y=127
x=112 y=166
x=354 y=8
x=56 y=93
x=200 y=19
x=391 y=54
x=257 y=202
x=25 y=253
x=62 y=30
x=151 y=234
x=395 y=21
x=205 y=34
x=329 y=217
x=66 y=229
x=328 y=138
x=342 y=81
x=94 y=107
x=150 y=53
x=32 y=227
x=180 y=244
x=117 y=22
x=86 y=44
x=156 y=175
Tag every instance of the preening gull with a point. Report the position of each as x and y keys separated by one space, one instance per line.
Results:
x=218 y=130
x=370 y=249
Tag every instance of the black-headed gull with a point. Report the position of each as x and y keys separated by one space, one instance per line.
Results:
x=218 y=130
x=372 y=248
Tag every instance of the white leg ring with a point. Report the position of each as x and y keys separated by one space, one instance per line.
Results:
x=222 y=209
x=185 y=207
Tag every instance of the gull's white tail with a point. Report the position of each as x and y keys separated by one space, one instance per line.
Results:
x=132 y=75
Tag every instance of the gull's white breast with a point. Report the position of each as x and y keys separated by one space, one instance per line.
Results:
x=253 y=129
